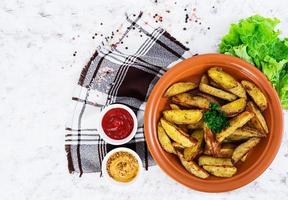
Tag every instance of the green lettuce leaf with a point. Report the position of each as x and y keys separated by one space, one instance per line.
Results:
x=282 y=87
x=255 y=40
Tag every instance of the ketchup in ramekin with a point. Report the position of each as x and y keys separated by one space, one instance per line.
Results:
x=117 y=123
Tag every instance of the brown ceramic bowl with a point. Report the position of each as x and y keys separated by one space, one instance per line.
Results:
x=262 y=155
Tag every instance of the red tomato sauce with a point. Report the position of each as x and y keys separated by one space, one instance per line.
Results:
x=117 y=123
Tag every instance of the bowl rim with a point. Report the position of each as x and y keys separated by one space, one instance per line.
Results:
x=224 y=185
x=113 y=141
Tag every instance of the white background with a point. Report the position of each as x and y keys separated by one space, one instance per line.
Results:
x=38 y=74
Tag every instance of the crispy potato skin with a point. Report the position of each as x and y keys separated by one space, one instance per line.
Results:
x=176 y=134
x=244 y=133
x=226 y=81
x=165 y=140
x=191 y=152
x=196 y=125
x=204 y=79
x=243 y=159
x=243 y=148
x=223 y=79
x=204 y=153
x=192 y=167
x=212 y=145
x=238 y=91
x=210 y=98
x=209 y=160
x=216 y=92
x=256 y=94
x=235 y=107
x=220 y=171
x=235 y=123
x=190 y=101
x=214 y=84
x=174 y=106
x=183 y=116
x=180 y=87
x=176 y=145
x=258 y=121
x=226 y=151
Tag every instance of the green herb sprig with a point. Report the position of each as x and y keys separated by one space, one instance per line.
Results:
x=215 y=119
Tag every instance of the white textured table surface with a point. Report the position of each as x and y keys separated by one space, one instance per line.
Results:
x=38 y=74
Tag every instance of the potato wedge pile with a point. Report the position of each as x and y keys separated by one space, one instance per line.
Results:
x=183 y=131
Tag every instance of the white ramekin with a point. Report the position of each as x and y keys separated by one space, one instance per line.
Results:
x=110 y=140
x=110 y=179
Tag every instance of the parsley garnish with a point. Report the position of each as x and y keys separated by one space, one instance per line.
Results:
x=215 y=119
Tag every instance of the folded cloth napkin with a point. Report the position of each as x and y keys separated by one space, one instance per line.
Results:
x=124 y=72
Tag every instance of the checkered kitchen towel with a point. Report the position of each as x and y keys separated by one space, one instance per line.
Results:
x=124 y=72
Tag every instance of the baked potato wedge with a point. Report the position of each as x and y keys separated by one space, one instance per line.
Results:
x=176 y=145
x=180 y=87
x=212 y=145
x=183 y=116
x=226 y=81
x=244 y=133
x=258 y=121
x=256 y=94
x=177 y=134
x=164 y=140
x=192 y=167
x=226 y=151
x=209 y=160
x=196 y=125
x=214 y=84
x=210 y=98
x=220 y=171
x=190 y=153
x=174 y=106
x=182 y=126
x=238 y=91
x=235 y=107
x=215 y=97
x=243 y=148
x=243 y=159
x=235 y=123
x=216 y=92
x=188 y=100
x=204 y=79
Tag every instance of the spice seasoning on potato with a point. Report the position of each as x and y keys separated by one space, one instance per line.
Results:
x=204 y=112
x=165 y=140
x=235 y=123
x=180 y=87
x=234 y=107
x=244 y=133
x=243 y=148
x=176 y=134
x=217 y=92
x=256 y=94
x=258 y=121
x=183 y=116
x=226 y=81
x=188 y=100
